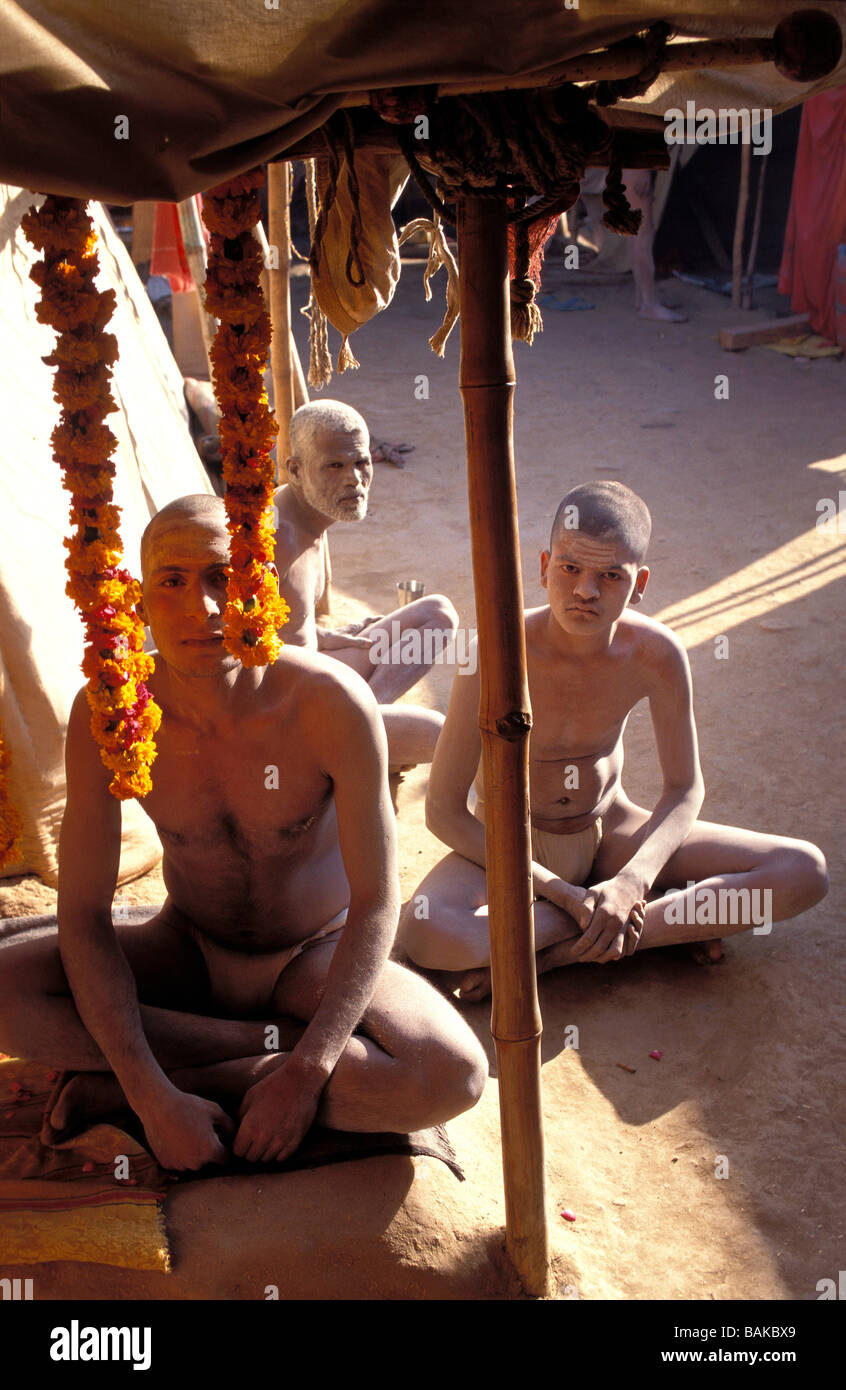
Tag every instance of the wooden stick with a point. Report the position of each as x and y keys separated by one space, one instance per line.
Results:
x=756 y=227
x=280 y=309
x=487 y=386
x=191 y=227
x=300 y=387
x=740 y=226
x=625 y=59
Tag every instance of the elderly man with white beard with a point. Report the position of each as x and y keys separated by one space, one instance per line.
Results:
x=329 y=476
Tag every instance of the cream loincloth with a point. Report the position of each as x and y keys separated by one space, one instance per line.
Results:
x=567 y=856
x=243 y=983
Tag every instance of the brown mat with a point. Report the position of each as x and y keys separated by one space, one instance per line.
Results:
x=64 y=1200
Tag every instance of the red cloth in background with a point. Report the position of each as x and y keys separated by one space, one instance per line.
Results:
x=168 y=256
x=816 y=223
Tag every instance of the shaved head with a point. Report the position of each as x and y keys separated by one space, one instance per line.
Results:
x=330 y=468
x=608 y=511
x=199 y=507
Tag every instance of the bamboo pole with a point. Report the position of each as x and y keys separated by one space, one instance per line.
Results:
x=300 y=387
x=740 y=227
x=280 y=309
x=756 y=229
x=487 y=386
x=194 y=242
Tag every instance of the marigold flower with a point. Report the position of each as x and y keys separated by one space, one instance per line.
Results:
x=254 y=610
x=124 y=718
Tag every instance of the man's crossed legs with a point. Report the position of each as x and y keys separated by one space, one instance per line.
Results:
x=412 y=1063
x=784 y=875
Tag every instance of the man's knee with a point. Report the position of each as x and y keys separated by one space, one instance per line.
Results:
x=809 y=871
x=452 y=1074
x=441 y=941
x=30 y=966
x=439 y=612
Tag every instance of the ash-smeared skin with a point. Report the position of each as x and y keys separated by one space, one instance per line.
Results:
x=329 y=481
x=590 y=660
x=252 y=867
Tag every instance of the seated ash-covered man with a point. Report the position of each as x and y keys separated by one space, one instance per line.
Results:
x=596 y=855
x=270 y=799
x=329 y=477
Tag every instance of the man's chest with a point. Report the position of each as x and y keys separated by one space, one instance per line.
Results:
x=578 y=711
x=253 y=797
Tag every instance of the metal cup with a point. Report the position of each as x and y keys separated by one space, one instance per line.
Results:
x=408 y=590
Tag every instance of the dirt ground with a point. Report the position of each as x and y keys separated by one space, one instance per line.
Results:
x=747 y=1085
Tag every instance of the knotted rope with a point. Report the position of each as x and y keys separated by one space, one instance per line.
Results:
x=528 y=147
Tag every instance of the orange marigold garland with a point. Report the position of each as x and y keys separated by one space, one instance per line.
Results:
x=10 y=821
x=254 y=609
x=124 y=717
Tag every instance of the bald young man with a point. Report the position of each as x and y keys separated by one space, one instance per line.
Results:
x=270 y=799
x=596 y=855
x=329 y=478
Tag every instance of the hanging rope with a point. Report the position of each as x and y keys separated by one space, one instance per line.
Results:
x=439 y=255
x=654 y=43
x=319 y=360
x=517 y=144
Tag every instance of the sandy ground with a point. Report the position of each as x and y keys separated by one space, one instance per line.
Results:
x=748 y=1081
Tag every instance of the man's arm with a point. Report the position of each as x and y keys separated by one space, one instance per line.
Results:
x=671 y=707
x=346 y=732
x=355 y=749
x=97 y=970
x=456 y=759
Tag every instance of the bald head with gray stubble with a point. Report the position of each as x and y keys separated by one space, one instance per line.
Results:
x=329 y=467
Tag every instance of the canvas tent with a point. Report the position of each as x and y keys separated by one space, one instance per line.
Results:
x=164 y=99
x=41 y=635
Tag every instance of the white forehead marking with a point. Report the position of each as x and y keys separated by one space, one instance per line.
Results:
x=579 y=549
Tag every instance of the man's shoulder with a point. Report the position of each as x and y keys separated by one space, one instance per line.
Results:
x=291 y=540
x=651 y=640
x=316 y=677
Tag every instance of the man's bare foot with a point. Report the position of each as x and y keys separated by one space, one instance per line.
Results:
x=707 y=952
x=476 y=984
x=90 y=1097
x=662 y=313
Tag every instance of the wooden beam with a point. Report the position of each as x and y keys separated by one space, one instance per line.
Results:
x=740 y=227
x=640 y=139
x=194 y=242
x=486 y=378
x=804 y=47
x=280 y=309
x=767 y=331
x=756 y=229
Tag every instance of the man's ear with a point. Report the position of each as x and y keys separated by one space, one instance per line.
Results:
x=544 y=567
x=292 y=467
x=640 y=584
x=142 y=612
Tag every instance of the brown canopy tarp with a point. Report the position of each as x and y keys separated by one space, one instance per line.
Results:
x=159 y=100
